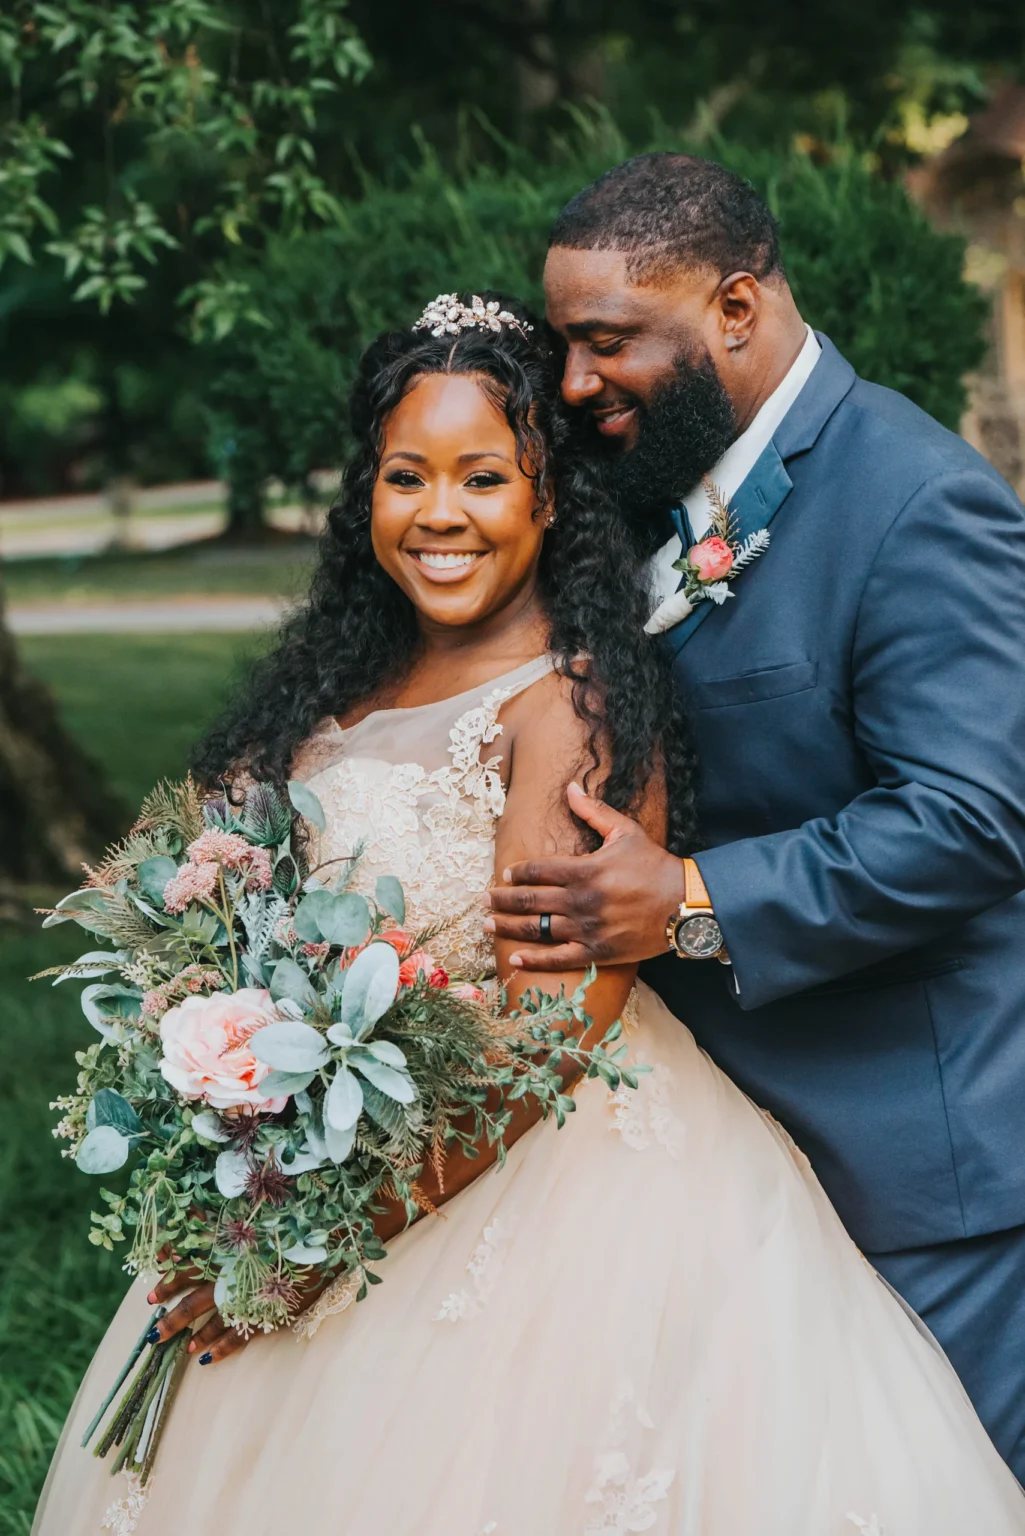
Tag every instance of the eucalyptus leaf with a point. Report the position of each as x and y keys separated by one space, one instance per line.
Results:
x=370 y=985
x=290 y=980
x=301 y=1253
x=307 y=804
x=108 y=1107
x=390 y=897
x=289 y=1047
x=153 y=875
x=103 y=1150
x=208 y=1125
x=345 y=919
x=308 y=914
x=277 y=1083
x=397 y=1085
x=343 y=1101
x=231 y=1173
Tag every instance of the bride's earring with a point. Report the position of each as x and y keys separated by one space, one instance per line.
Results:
x=550 y=519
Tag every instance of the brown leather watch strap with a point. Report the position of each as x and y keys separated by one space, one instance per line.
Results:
x=695 y=892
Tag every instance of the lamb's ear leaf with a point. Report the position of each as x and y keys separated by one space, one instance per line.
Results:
x=307 y=804
x=371 y=983
x=344 y=1100
x=289 y=1046
x=390 y=897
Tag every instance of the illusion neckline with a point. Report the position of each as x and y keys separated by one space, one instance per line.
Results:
x=478 y=689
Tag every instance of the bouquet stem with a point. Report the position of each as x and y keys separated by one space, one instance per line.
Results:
x=138 y=1420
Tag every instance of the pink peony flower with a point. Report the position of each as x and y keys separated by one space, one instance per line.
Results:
x=206 y=1049
x=712 y=559
x=193 y=882
x=468 y=993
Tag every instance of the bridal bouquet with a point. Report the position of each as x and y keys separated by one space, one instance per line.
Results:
x=275 y=1056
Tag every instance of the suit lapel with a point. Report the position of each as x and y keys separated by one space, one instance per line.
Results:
x=755 y=505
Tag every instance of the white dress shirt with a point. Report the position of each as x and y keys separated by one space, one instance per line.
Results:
x=731 y=471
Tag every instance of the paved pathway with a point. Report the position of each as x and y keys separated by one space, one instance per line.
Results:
x=161 y=616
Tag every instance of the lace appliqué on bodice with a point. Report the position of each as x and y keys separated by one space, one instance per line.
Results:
x=434 y=830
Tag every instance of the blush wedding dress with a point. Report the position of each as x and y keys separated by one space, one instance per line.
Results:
x=651 y=1320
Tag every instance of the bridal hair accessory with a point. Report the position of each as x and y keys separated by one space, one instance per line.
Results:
x=709 y=566
x=448 y=316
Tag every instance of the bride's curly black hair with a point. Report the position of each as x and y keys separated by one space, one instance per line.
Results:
x=357 y=630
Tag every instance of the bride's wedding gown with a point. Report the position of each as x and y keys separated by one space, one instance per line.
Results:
x=651 y=1320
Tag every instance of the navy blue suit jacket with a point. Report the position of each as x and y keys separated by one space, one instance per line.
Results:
x=858 y=710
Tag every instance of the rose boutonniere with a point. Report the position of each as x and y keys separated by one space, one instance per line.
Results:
x=709 y=567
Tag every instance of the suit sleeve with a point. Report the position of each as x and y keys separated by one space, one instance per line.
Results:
x=938 y=687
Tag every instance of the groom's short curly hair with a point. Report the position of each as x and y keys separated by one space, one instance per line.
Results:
x=670 y=210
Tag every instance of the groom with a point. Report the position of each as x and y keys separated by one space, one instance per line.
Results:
x=858 y=710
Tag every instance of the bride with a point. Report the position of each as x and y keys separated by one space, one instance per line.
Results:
x=653 y=1319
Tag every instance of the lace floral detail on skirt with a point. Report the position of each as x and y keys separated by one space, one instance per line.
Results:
x=483 y=1265
x=623 y=1499
x=338 y=1297
x=122 y=1517
x=870 y=1527
x=644 y=1116
x=434 y=830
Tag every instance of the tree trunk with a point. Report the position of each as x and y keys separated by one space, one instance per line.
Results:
x=246 y=503
x=56 y=811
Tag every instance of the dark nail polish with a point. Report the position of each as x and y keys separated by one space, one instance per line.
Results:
x=205 y=1359
x=153 y=1337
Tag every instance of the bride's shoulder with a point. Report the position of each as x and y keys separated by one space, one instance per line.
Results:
x=546 y=732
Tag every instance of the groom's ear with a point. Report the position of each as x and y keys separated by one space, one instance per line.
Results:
x=738 y=300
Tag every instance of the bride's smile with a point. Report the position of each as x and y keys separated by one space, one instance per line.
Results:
x=455 y=519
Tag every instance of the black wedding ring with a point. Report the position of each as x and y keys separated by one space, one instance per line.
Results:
x=545 y=926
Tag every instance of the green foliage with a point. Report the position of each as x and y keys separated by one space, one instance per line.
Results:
x=866 y=267
x=208 y=81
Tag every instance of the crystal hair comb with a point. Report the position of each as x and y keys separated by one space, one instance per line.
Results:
x=447 y=316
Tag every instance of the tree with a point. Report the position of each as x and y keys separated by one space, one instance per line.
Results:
x=197 y=127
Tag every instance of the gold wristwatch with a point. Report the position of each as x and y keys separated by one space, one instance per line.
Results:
x=692 y=931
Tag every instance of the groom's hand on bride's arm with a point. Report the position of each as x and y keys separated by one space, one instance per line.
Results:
x=606 y=907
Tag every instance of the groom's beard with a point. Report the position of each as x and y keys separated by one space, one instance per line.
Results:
x=683 y=431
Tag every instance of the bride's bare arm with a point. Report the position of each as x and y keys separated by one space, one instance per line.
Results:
x=546 y=746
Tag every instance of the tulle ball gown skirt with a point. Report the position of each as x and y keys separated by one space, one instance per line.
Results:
x=651 y=1320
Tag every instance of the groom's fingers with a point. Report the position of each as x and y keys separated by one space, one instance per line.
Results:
x=524 y=899
x=551 y=957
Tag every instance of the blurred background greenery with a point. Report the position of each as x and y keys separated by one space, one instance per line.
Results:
x=206 y=209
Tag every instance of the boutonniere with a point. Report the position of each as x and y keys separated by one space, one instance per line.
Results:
x=709 y=566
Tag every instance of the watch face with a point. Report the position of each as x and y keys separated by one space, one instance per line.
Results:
x=700 y=936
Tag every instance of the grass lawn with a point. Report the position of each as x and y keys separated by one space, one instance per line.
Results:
x=137 y=703
x=202 y=568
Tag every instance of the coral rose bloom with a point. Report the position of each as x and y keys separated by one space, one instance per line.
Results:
x=712 y=559
x=206 y=1049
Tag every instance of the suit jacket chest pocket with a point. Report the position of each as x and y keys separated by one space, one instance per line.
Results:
x=754 y=686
